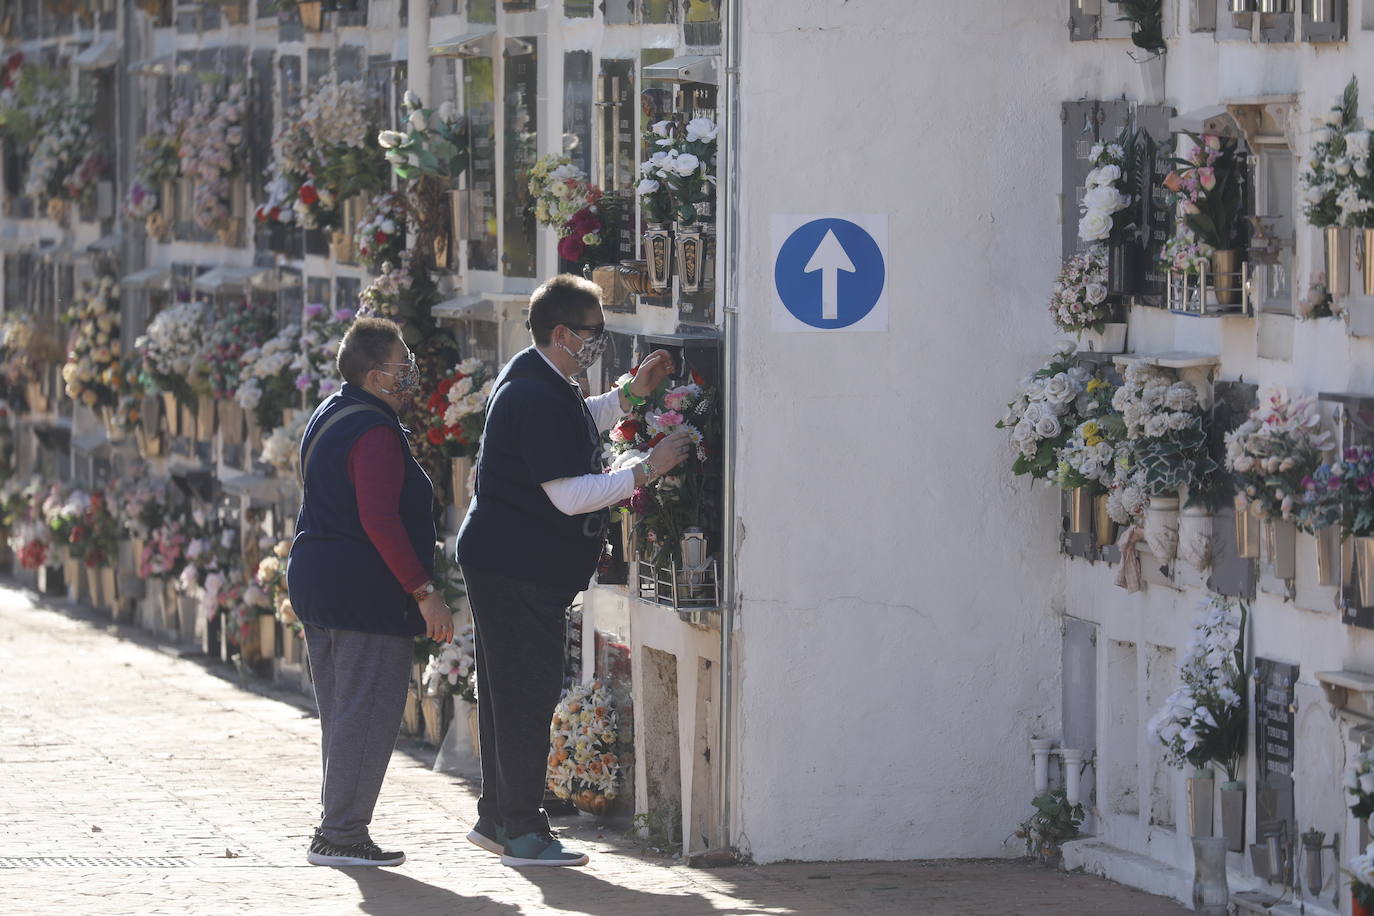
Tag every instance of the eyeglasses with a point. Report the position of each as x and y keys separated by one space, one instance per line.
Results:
x=409 y=362
x=598 y=328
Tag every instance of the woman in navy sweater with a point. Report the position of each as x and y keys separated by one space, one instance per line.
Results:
x=361 y=580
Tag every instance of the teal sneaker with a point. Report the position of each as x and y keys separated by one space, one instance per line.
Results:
x=539 y=849
x=488 y=835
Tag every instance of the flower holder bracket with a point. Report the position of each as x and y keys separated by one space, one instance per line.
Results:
x=691 y=592
x=1208 y=294
x=1351 y=695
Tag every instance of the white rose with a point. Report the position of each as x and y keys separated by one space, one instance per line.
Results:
x=1104 y=175
x=417 y=121
x=390 y=139
x=1023 y=431
x=1059 y=390
x=1095 y=226
x=1065 y=348
x=686 y=164
x=647 y=186
x=1367 y=783
x=1095 y=293
x=699 y=129
x=1033 y=412
x=1048 y=427
x=1105 y=198
x=1034 y=390
x=411 y=99
x=446 y=111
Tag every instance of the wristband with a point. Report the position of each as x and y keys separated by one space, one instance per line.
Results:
x=635 y=400
x=423 y=592
x=648 y=469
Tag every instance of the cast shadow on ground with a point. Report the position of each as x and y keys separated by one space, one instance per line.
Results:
x=579 y=890
x=386 y=892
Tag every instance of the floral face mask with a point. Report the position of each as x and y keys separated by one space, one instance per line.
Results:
x=407 y=380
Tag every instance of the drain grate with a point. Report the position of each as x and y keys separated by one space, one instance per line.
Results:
x=92 y=862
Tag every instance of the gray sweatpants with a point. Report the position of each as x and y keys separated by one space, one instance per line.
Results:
x=360 y=688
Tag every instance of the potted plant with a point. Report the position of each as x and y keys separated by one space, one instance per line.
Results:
x=1203 y=722
x=1054 y=821
x=1270 y=455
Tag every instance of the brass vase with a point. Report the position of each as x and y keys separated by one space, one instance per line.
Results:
x=1279 y=544
x=1364 y=562
x=659 y=254
x=1337 y=260
x=267 y=635
x=1367 y=243
x=460 y=469
x=1328 y=542
x=1226 y=276
x=1247 y=529
x=1080 y=510
x=1103 y=525
x=688 y=244
x=312 y=15
x=708 y=257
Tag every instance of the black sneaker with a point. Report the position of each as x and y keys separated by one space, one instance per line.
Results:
x=488 y=835
x=323 y=852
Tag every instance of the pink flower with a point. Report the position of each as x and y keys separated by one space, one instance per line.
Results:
x=314 y=310
x=668 y=419
x=344 y=314
x=1208 y=178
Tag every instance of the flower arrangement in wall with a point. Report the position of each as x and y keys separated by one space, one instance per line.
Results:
x=1097 y=447
x=93 y=373
x=62 y=509
x=584 y=759
x=458 y=409
x=29 y=537
x=678 y=181
x=1207 y=188
x=1332 y=193
x=1340 y=492
x=322 y=154
x=221 y=363
x=1271 y=455
x=1204 y=721
x=159 y=164
x=281 y=447
x=64 y=163
x=94 y=537
x=170 y=346
x=317 y=374
x=1166 y=426
x=1078 y=299
x=26 y=349
x=1106 y=193
x=1361 y=873
x=404 y=293
x=1044 y=414
x=453 y=672
x=679 y=500
x=431 y=142
x=270 y=576
x=267 y=382
x=381 y=233
x=140 y=504
x=570 y=204
x=211 y=151
x=29 y=94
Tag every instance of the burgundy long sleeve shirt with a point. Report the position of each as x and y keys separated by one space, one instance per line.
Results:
x=376 y=466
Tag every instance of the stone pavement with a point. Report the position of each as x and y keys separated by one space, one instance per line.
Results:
x=133 y=781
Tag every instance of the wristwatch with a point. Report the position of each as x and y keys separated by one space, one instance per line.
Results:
x=423 y=592
x=648 y=466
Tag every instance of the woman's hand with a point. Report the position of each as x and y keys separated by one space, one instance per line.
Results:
x=438 y=618
x=670 y=452
x=656 y=367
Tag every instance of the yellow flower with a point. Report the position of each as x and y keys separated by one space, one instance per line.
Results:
x=1094 y=384
x=1094 y=440
x=1089 y=430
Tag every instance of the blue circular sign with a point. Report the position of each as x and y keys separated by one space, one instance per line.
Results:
x=829 y=273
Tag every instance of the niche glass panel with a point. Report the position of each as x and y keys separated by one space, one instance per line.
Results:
x=479 y=91
x=521 y=149
x=1275 y=208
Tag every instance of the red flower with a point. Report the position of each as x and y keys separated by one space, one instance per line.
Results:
x=309 y=196
x=571 y=248
x=697 y=379
x=78 y=534
x=628 y=429
x=436 y=402
x=656 y=440
x=379 y=237
x=445 y=384
x=584 y=221
x=435 y=435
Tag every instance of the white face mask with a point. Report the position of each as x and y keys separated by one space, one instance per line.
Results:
x=591 y=350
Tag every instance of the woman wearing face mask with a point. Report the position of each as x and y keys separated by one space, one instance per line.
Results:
x=531 y=541
x=361 y=580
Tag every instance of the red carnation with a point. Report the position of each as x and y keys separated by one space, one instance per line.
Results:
x=571 y=248
x=444 y=385
x=656 y=440
x=436 y=402
x=309 y=196
x=627 y=429
x=379 y=237
x=435 y=435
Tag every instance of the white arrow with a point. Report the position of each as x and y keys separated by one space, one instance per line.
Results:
x=830 y=258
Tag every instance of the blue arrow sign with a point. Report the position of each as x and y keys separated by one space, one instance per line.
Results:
x=829 y=273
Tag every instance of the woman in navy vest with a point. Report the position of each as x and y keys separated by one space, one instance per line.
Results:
x=360 y=578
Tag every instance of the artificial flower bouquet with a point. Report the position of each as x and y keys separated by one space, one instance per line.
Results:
x=1107 y=193
x=211 y=151
x=140 y=504
x=1278 y=447
x=453 y=671
x=570 y=204
x=1340 y=492
x=1207 y=191
x=1336 y=181
x=1045 y=412
x=404 y=293
x=679 y=180
x=64 y=162
x=1167 y=432
x=169 y=348
x=94 y=537
x=1078 y=299
x=1204 y=720
x=267 y=382
x=317 y=373
x=458 y=409
x=431 y=142
x=381 y=234
x=678 y=500
x=585 y=761
x=1098 y=445
x=93 y=373
x=221 y=363
x=282 y=446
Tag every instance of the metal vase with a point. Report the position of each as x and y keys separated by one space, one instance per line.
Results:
x=1103 y=526
x=1226 y=280
x=432 y=709
x=688 y=244
x=1364 y=562
x=1328 y=547
x=410 y=718
x=267 y=636
x=1323 y=11
x=1233 y=815
x=1080 y=511
x=1279 y=544
x=1242 y=6
x=1275 y=6
x=1201 y=792
x=1211 y=895
x=1247 y=529
x=659 y=254
x=459 y=470
x=1337 y=260
x=312 y=15
x=708 y=257
x=1367 y=242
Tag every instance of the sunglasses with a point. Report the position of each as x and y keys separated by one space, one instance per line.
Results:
x=598 y=328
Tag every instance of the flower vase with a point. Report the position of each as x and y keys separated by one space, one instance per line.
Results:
x=658 y=253
x=312 y=15
x=688 y=245
x=1201 y=786
x=708 y=257
x=1279 y=544
x=231 y=421
x=1161 y=527
x=473 y=725
x=291 y=649
x=1152 y=80
x=1247 y=529
x=1367 y=244
x=455 y=217
x=432 y=709
x=460 y=469
x=341 y=247
x=1080 y=510
x=1233 y=815
x=1337 y=260
x=1195 y=537
x=1111 y=339
x=1103 y=525
x=205 y=418
x=410 y=718
x=1226 y=276
x=1328 y=546
x=1364 y=562
x=1211 y=895
x=267 y=636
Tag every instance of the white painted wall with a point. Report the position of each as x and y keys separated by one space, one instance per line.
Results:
x=900 y=593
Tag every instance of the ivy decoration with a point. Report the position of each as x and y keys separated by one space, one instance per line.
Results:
x=1147 y=24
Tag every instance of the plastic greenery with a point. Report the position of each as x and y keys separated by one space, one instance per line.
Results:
x=1147 y=24
x=434 y=142
x=1053 y=822
x=1217 y=208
